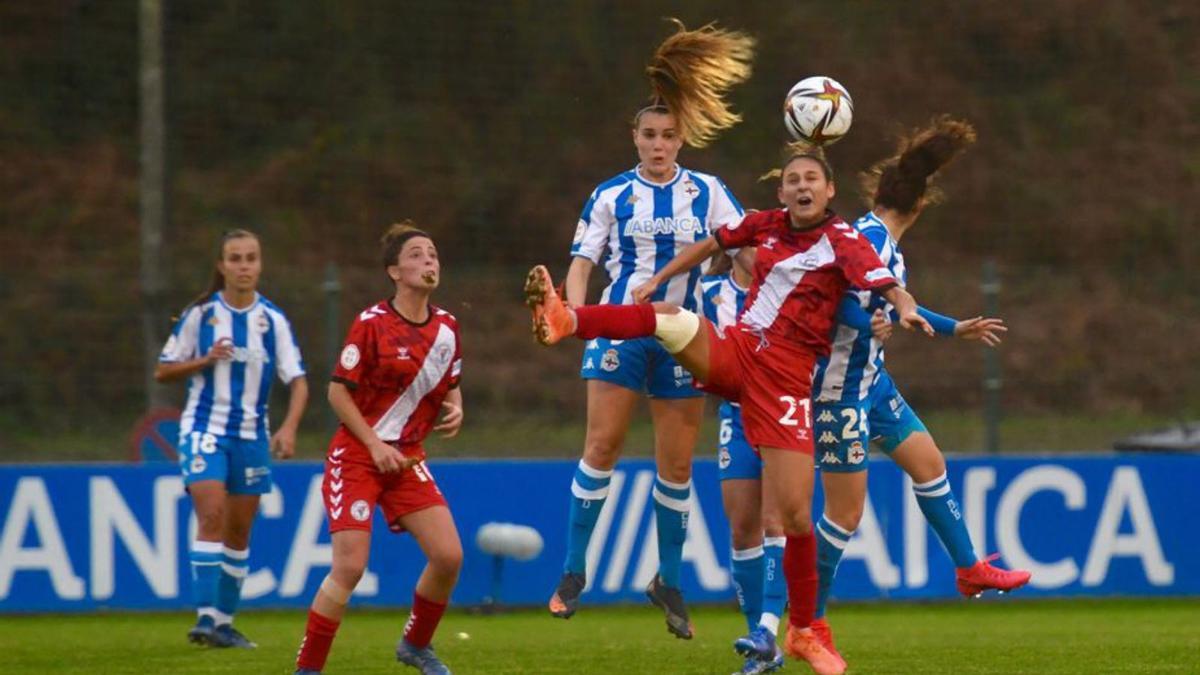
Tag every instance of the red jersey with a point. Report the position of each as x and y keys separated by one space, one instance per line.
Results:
x=398 y=372
x=801 y=275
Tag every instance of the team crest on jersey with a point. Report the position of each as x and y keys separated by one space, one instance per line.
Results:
x=198 y=464
x=691 y=188
x=441 y=354
x=632 y=199
x=214 y=321
x=723 y=458
x=262 y=324
x=360 y=510
x=857 y=454
x=350 y=356
x=610 y=361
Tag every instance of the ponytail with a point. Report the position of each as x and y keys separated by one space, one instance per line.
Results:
x=690 y=73
x=905 y=181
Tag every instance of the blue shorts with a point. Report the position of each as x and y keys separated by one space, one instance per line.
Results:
x=243 y=466
x=642 y=365
x=844 y=429
x=736 y=458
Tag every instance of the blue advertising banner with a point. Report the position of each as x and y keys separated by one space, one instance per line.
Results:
x=83 y=537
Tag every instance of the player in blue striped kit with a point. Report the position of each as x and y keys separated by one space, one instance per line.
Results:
x=757 y=536
x=639 y=220
x=229 y=344
x=856 y=400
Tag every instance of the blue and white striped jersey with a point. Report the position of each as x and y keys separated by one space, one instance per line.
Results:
x=856 y=357
x=723 y=299
x=230 y=397
x=641 y=226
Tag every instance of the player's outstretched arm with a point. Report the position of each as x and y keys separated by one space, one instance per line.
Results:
x=688 y=258
x=906 y=308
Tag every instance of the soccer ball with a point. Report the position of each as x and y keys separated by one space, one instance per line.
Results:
x=818 y=110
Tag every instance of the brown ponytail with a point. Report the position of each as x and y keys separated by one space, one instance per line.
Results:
x=905 y=181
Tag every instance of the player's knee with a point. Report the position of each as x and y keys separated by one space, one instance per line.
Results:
x=846 y=517
x=675 y=469
x=446 y=561
x=347 y=573
x=601 y=452
x=797 y=520
x=210 y=524
x=676 y=329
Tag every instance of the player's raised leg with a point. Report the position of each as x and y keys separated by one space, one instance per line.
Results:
x=920 y=457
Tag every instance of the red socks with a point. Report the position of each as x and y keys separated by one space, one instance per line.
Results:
x=800 y=570
x=618 y=322
x=423 y=621
x=318 y=638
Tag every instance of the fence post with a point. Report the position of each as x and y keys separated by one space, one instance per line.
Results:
x=992 y=378
x=152 y=188
x=332 y=286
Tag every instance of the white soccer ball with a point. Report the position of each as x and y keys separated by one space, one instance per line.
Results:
x=818 y=110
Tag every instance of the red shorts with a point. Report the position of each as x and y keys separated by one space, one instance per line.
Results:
x=771 y=381
x=353 y=486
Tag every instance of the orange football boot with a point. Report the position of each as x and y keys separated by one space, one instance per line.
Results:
x=552 y=321
x=820 y=628
x=806 y=646
x=983 y=576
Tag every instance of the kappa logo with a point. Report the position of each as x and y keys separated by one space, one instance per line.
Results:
x=589 y=364
x=360 y=510
x=830 y=458
x=826 y=416
x=827 y=438
x=610 y=362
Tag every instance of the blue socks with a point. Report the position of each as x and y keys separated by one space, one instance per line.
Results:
x=589 y=489
x=234 y=566
x=831 y=542
x=671 y=507
x=944 y=514
x=748 y=567
x=774 y=585
x=205 y=557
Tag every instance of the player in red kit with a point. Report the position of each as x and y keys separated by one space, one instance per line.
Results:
x=806 y=259
x=398 y=370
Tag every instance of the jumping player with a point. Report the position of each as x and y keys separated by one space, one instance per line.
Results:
x=806 y=258
x=856 y=399
x=400 y=366
x=229 y=344
x=639 y=220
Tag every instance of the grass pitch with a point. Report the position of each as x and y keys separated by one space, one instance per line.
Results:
x=1006 y=636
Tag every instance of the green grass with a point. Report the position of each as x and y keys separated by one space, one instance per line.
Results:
x=1080 y=636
